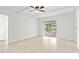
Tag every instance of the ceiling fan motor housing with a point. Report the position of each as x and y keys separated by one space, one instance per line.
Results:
x=39 y=7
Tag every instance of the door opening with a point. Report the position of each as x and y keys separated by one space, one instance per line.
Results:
x=49 y=28
x=3 y=30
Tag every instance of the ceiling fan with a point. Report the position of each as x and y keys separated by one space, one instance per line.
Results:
x=37 y=8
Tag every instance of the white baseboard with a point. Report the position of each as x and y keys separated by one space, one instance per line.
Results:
x=12 y=41
x=75 y=40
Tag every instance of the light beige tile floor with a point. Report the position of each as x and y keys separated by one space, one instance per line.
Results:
x=43 y=45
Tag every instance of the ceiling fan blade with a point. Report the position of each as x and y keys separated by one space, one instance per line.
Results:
x=41 y=7
x=32 y=7
x=42 y=10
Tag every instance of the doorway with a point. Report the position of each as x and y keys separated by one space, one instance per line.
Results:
x=49 y=28
x=3 y=30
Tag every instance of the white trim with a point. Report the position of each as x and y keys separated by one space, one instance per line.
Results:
x=12 y=41
x=75 y=40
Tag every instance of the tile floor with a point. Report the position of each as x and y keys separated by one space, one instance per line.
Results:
x=41 y=45
x=2 y=46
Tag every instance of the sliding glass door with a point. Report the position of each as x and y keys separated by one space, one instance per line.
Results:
x=50 y=28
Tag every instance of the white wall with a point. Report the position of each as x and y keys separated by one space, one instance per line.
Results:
x=65 y=25
x=77 y=18
x=23 y=27
x=20 y=27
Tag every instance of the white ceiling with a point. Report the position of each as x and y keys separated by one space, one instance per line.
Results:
x=24 y=10
x=13 y=8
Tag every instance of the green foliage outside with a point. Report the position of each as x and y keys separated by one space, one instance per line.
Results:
x=50 y=27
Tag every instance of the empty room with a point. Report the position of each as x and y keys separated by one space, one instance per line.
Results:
x=39 y=29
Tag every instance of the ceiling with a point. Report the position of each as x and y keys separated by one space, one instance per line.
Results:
x=24 y=10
